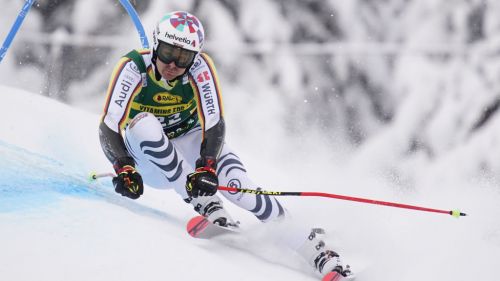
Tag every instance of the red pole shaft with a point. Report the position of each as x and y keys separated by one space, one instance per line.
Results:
x=336 y=196
x=371 y=201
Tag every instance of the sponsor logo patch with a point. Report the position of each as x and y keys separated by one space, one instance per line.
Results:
x=196 y=64
x=164 y=110
x=133 y=67
x=125 y=88
x=236 y=184
x=167 y=98
x=206 y=91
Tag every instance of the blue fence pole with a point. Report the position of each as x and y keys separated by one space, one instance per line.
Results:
x=13 y=31
x=137 y=22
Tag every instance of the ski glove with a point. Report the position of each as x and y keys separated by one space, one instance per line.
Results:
x=128 y=182
x=203 y=181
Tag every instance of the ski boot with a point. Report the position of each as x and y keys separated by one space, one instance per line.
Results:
x=323 y=260
x=211 y=207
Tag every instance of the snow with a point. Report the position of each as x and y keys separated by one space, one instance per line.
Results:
x=291 y=112
x=57 y=226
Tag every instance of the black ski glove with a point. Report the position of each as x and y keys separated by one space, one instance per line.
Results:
x=203 y=181
x=128 y=181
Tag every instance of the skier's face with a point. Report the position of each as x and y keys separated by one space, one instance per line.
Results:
x=169 y=71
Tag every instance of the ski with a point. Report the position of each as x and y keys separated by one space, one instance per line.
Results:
x=200 y=227
x=334 y=276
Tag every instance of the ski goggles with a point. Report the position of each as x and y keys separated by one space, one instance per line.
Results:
x=168 y=53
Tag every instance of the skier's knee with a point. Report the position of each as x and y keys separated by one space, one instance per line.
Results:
x=145 y=126
x=144 y=118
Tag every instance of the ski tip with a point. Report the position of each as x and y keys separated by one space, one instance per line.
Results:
x=196 y=225
x=201 y=227
x=334 y=276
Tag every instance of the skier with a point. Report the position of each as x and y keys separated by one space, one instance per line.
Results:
x=168 y=103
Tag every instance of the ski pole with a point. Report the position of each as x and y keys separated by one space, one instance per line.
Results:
x=454 y=213
x=93 y=176
x=15 y=27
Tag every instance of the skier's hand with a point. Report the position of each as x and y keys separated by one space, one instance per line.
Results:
x=128 y=182
x=204 y=181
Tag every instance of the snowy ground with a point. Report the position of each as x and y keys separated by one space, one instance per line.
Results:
x=54 y=225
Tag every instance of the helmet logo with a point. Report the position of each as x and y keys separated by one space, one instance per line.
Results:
x=180 y=39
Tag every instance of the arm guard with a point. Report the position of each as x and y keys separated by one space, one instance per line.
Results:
x=213 y=141
x=114 y=147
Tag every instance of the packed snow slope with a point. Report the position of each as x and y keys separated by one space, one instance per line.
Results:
x=55 y=225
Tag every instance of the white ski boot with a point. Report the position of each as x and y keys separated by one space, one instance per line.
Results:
x=212 y=208
x=323 y=260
